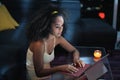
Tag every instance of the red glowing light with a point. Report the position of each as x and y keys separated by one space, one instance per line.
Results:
x=101 y=15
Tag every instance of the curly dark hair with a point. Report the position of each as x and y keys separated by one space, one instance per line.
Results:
x=40 y=25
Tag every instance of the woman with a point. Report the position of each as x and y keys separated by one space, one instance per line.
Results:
x=44 y=33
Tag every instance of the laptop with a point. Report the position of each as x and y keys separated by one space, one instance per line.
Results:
x=93 y=71
x=96 y=70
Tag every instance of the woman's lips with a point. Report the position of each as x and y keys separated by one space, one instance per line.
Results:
x=59 y=33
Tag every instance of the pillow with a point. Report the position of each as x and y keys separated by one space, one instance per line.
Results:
x=6 y=20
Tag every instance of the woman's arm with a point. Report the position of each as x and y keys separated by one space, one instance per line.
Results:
x=38 y=50
x=67 y=46
x=76 y=55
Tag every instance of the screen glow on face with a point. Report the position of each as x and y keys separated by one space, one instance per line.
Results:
x=57 y=26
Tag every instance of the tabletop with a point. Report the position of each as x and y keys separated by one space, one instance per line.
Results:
x=86 y=54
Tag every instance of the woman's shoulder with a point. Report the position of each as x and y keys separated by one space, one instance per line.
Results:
x=39 y=42
x=59 y=39
x=36 y=44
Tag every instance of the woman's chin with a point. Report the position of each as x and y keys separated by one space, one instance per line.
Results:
x=58 y=35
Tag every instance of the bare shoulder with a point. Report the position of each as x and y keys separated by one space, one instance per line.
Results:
x=36 y=45
x=60 y=39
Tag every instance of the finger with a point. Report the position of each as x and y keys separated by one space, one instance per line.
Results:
x=80 y=63
x=69 y=69
x=72 y=69
x=83 y=64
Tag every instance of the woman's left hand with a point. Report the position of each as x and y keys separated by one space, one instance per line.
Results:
x=79 y=63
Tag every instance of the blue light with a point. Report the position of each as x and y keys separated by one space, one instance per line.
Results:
x=25 y=5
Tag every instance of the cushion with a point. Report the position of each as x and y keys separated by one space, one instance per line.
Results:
x=6 y=20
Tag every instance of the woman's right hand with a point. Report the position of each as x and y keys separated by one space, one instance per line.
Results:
x=68 y=68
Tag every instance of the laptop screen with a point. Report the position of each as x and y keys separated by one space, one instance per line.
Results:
x=96 y=70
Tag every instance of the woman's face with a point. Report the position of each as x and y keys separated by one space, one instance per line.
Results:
x=57 y=26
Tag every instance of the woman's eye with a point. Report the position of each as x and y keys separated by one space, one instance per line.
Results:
x=57 y=26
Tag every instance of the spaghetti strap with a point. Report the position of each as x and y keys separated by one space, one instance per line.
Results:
x=45 y=47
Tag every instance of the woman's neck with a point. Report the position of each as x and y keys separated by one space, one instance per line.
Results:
x=50 y=37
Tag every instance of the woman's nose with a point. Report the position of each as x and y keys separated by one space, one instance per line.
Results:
x=60 y=29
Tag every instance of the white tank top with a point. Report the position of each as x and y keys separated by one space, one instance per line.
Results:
x=29 y=61
x=48 y=57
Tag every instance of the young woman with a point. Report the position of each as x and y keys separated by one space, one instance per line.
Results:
x=44 y=33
